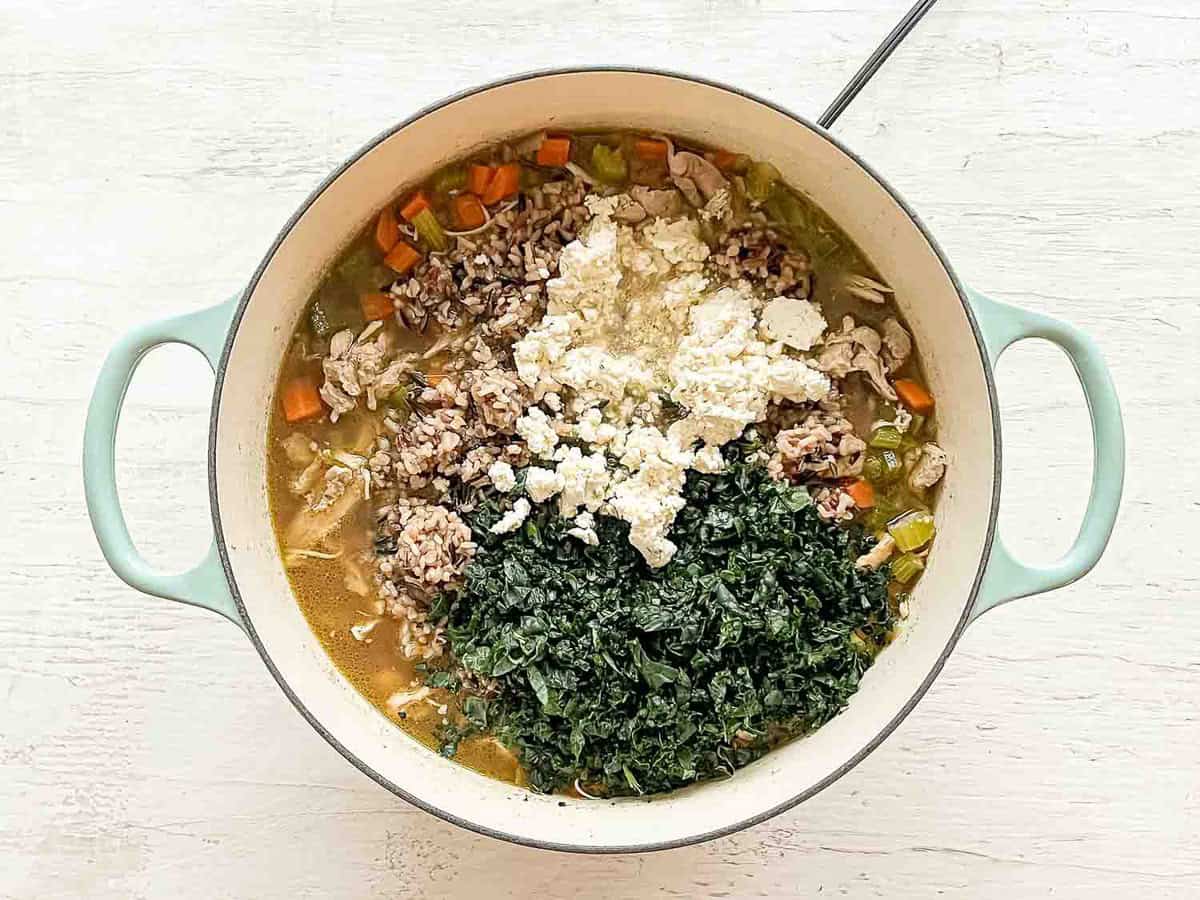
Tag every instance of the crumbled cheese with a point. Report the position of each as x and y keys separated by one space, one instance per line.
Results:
x=585 y=529
x=708 y=460
x=585 y=480
x=502 y=476
x=797 y=323
x=726 y=377
x=542 y=484
x=361 y=631
x=512 y=519
x=631 y=322
x=538 y=433
x=651 y=497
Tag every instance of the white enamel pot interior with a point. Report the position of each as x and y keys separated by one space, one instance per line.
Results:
x=810 y=160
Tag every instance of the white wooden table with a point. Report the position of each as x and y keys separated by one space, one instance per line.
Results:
x=149 y=154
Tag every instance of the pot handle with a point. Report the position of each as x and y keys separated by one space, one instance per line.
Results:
x=205 y=585
x=1007 y=578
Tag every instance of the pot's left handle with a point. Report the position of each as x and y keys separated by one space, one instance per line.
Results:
x=205 y=585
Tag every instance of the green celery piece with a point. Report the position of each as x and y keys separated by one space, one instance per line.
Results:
x=907 y=567
x=885 y=437
x=760 y=180
x=452 y=179
x=912 y=530
x=430 y=230
x=609 y=164
x=883 y=467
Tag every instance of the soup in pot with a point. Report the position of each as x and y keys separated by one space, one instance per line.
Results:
x=603 y=462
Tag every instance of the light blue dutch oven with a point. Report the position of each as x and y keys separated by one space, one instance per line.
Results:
x=961 y=335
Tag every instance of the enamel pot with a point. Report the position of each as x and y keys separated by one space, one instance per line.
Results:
x=960 y=334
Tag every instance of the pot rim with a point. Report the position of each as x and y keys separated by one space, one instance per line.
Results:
x=853 y=760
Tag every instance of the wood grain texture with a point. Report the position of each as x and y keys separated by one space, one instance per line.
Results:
x=149 y=154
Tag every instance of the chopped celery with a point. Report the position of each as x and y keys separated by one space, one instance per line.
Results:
x=912 y=530
x=885 y=437
x=907 y=567
x=453 y=179
x=882 y=467
x=915 y=426
x=760 y=179
x=785 y=208
x=608 y=164
x=430 y=229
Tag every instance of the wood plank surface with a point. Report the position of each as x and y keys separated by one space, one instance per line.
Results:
x=148 y=155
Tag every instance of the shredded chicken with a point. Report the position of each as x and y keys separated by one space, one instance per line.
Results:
x=337 y=479
x=897 y=344
x=823 y=445
x=360 y=367
x=697 y=179
x=928 y=468
x=856 y=348
x=865 y=288
x=877 y=555
x=663 y=204
x=833 y=504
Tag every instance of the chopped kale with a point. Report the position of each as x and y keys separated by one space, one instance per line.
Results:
x=635 y=680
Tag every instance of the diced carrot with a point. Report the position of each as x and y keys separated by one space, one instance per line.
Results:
x=478 y=178
x=387 y=230
x=436 y=372
x=468 y=211
x=376 y=306
x=650 y=149
x=914 y=396
x=505 y=183
x=555 y=151
x=861 y=493
x=416 y=204
x=300 y=400
x=402 y=258
x=726 y=161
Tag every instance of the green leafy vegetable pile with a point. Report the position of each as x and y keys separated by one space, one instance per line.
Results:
x=636 y=680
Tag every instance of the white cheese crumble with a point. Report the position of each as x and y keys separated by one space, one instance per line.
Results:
x=585 y=529
x=632 y=322
x=726 y=377
x=542 y=484
x=538 y=433
x=512 y=519
x=797 y=323
x=502 y=476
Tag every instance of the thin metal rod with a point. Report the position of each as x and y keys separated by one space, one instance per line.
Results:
x=874 y=61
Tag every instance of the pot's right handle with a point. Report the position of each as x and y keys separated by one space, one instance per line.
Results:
x=205 y=584
x=1007 y=578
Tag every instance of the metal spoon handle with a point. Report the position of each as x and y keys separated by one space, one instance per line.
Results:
x=874 y=61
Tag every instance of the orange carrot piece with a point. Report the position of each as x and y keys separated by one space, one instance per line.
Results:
x=402 y=258
x=300 y=400
x=376 y=306
x=387 y=230
x=416 y=204
x=468 y=211
x=914 y=396
x=478 y=178
x=436 y=372
x=861 y=493
x=650 y=149
x=726 y=161
x=555 y=151
x=505 y=183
